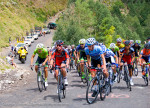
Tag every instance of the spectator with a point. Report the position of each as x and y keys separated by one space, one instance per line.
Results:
x=10 y=59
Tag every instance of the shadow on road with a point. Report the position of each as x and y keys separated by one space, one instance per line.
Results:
x=33 y=89
x=77 y=85
x=52 y=83
x=54 y=97
x=76 y=81
x=120 y=88
x=140 y=85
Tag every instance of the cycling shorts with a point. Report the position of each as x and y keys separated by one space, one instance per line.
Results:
x=126 y=58
x=57 y=65
x=110 y=59
x=40 y=61
x=94 y=63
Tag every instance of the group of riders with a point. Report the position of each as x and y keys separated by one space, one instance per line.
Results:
x=95 y=54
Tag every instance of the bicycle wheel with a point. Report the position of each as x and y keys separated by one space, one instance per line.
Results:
x=85 y=80
x=127 y=78
x=136 y=70
x=118 y=75
x=64 y=91
x=146 y=79
x=39 y=82
x=43 y=81
x=92 y=91
x=103 y=91
x=59 y=87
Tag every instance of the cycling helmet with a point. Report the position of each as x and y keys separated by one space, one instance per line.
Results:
x=69 y=47
x=147 y=46
x=148 y=38
x=112 y=45
x=138 y=41
x=59 y=42
x=72 y=45
x=119 y=40
x=40 y=46
x=82 y=41
x=90 y=41
x=127 y=42
x=131 y=41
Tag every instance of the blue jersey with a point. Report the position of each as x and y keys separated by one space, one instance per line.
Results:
x=95 y=53
x=103 y=47
x=109 y=53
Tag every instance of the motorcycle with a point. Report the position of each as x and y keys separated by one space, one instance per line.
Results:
x=22 y=55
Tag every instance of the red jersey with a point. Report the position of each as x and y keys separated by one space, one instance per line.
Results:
x=59 y=56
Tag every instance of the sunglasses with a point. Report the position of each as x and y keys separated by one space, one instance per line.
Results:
x=127 y=45
x=81 y=44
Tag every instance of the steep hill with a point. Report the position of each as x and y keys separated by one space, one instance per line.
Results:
x=19 y=16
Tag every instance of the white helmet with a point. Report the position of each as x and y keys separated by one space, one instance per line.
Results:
x=112 y=45
x=90 y=41
x=39 y=46
x=82 y=41
x=119 y=40
x=72 y=45
x=69 y=47
x=132 y=41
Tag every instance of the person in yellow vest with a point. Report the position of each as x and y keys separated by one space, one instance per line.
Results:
x=119 y=44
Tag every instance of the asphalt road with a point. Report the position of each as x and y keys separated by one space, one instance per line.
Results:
x=28 y=96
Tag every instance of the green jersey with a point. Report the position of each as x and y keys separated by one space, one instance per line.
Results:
x=115 y=50
x=43 y=54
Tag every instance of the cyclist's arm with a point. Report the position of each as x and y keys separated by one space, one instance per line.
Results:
x=75 y=53
x=47 y=57
x=67 y=57
x=140 y=60
x=52 y=58
x=78 y=55
x=120 y=56
x=104 y=62
x=32 y=58
x=116 y=58
x=88 y=60
x=133 y=57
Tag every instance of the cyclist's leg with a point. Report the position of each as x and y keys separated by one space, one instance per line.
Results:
x=94 y=65
x=45 y=70
x=36 y=64
x=82 y=67
x=63 y=70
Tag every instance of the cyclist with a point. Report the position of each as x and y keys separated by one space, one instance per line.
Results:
x=131 y=42
x=136 y=46
x=42 y=58
x=119 y=44
x=145 y=56
x=109 y=56
x=61 y=58
x=81 y=56
x=148 y=39
x=95 y=58
x=73 y=53
x=127 y=54
x=115 y=49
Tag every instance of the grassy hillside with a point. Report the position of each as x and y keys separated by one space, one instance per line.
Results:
x=19 y=16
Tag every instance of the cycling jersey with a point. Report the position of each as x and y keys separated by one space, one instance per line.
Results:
x=136 y=49
x=81 y=51
x=103 y=47
x=43 y=54
x=120 y=46
x=116 y=49
x=127 y=57
x=60 y=56
x=145 y=53
x=109 y=53
x=95 y=53
x=72 y=53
